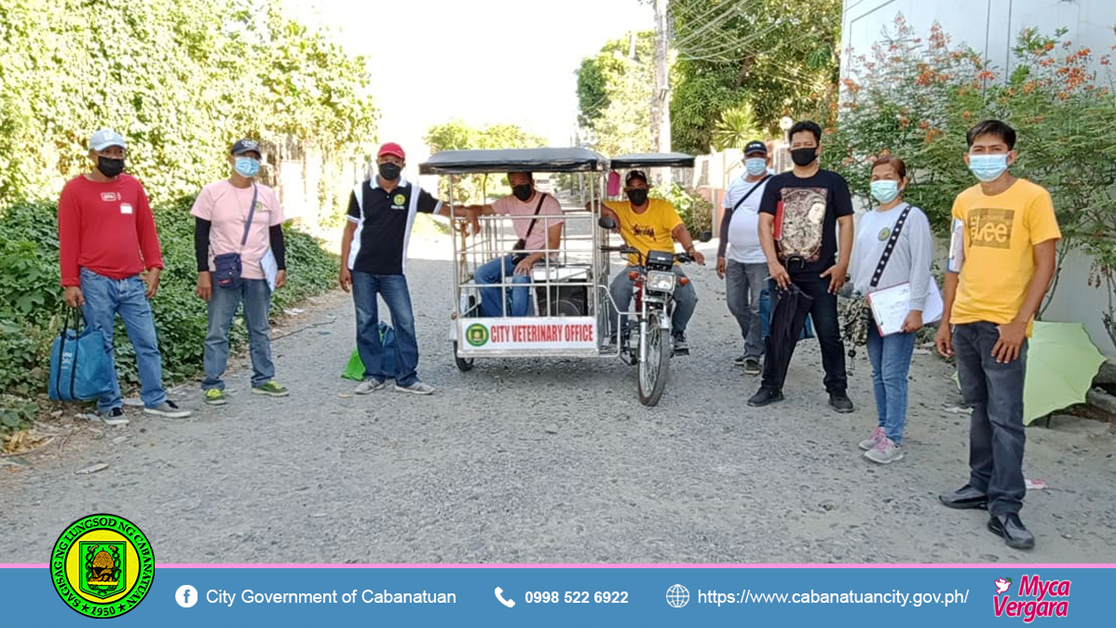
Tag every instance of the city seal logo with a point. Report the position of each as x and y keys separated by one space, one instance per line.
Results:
x=476 y=335
x=399 y=199
x=885 y=233
x=102 y=566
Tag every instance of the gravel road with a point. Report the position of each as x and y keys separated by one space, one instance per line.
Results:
x=550 y=461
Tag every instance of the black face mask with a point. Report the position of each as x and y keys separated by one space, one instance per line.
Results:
x=522 y=192
x=390 y=171
x=804 y=156
x=110 y=167
x=638 y=197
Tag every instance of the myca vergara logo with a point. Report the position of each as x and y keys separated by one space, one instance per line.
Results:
x=1034 y=598
x=102 y=566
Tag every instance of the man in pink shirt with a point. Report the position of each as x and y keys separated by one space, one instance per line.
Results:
x=223 y=212
x=109 y=253
x=538 y=234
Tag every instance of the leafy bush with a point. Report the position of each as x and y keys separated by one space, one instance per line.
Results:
x=694 y=210
x=30 y=296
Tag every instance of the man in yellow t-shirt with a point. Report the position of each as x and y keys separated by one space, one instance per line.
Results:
x=1000 y=269
x=651 y=224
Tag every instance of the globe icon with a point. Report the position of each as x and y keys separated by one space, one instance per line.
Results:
x=677 y=596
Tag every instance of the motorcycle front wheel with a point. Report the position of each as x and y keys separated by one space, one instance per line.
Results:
x=655 y=370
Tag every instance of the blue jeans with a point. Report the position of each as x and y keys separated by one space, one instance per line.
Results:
x=393 y=289
x=744 y=285
x=104 y=299
x=256 y=296
x=495 y=271
x=891 y=363
x=995 y=393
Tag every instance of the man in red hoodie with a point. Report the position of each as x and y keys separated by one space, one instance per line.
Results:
x=107 y=239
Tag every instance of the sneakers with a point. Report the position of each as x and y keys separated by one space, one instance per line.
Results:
x=115 y=417
x=1011 y=528
x=271 y=389
x=369 y=386
x=680 y=344
x=878 y=434
x=765 y=396
x=169 y=410
x=215 y=397
x=739 y=361
x=752 y=367
x=885 y=452
x=841 y=402
x=417 y=388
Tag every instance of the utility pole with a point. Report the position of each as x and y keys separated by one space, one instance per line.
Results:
x=660 y=106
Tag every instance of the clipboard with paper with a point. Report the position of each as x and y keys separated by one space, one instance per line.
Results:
x=891 y=306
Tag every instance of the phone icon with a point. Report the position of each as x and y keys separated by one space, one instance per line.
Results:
x=500 y=596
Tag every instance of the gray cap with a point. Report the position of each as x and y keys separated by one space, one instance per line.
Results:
x=105 y=138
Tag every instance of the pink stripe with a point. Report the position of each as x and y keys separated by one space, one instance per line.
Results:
x=609 y=566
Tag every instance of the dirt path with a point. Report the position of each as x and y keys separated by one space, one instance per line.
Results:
x=473 y=474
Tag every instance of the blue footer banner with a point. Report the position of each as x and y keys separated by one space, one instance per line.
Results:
x=108 y=585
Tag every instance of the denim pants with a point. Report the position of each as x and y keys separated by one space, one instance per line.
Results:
x=104 y=299
x=891 y=363
x=995 y=393
x=256 y=296
x=823 y=313
x=393 y=290
x=743 y=285
x=494 y=272
x=623 y=288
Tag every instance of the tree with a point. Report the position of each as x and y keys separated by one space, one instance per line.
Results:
x=614 y=90
x=457 y=135
x=736 y=128
x=181 y=79
x=777 y=55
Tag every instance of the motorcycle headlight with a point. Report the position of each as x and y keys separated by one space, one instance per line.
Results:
x=660 y=281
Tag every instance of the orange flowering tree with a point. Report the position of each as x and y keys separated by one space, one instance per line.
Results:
x=915 y=97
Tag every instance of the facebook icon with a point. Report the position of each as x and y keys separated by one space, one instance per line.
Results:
x=186 y=596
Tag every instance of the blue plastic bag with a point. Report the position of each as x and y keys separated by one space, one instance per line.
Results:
x=354 y=370
x=80 y=366
x=765 y=317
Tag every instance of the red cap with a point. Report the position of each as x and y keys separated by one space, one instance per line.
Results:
x=391 y=148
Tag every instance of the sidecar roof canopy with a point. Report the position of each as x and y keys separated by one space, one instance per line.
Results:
x=652 y=160
x=514 y=160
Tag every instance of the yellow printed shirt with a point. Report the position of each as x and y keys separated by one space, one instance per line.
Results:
x=1001 y=232
x=647 y=231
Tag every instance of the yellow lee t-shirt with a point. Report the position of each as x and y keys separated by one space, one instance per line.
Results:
x=1000 y=234
x=647 y=231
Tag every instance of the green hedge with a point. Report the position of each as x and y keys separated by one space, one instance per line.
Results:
x=31 y=297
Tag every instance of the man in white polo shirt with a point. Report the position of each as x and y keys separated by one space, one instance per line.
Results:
x=744 y=269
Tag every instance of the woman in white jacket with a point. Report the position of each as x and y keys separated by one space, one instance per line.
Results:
x=908 y=262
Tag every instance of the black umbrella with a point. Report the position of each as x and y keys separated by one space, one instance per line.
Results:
x=787 y=320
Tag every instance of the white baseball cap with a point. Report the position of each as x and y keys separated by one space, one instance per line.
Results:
x=105 y=138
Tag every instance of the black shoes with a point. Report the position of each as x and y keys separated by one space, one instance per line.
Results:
x=681 y=347
x=965 y=498
x=1011 y=528
x=840 y=402
x=765 y=396
x=752 y=367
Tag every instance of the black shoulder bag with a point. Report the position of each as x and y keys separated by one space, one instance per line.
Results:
x=521 y=243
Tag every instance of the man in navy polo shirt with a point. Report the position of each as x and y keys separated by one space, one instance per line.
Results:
x=373 y=261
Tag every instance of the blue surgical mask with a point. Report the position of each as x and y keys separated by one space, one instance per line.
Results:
x=755 y=166
x=885 y=190
x=988 y=167
x=247 y=167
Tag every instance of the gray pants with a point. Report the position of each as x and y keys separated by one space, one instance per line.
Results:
x=743 y=285
x=996 y=438
x=622 y=289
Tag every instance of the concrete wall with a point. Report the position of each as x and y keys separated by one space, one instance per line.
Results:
x=991 y=26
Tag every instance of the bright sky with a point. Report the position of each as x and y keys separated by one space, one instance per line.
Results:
x=485 y=61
